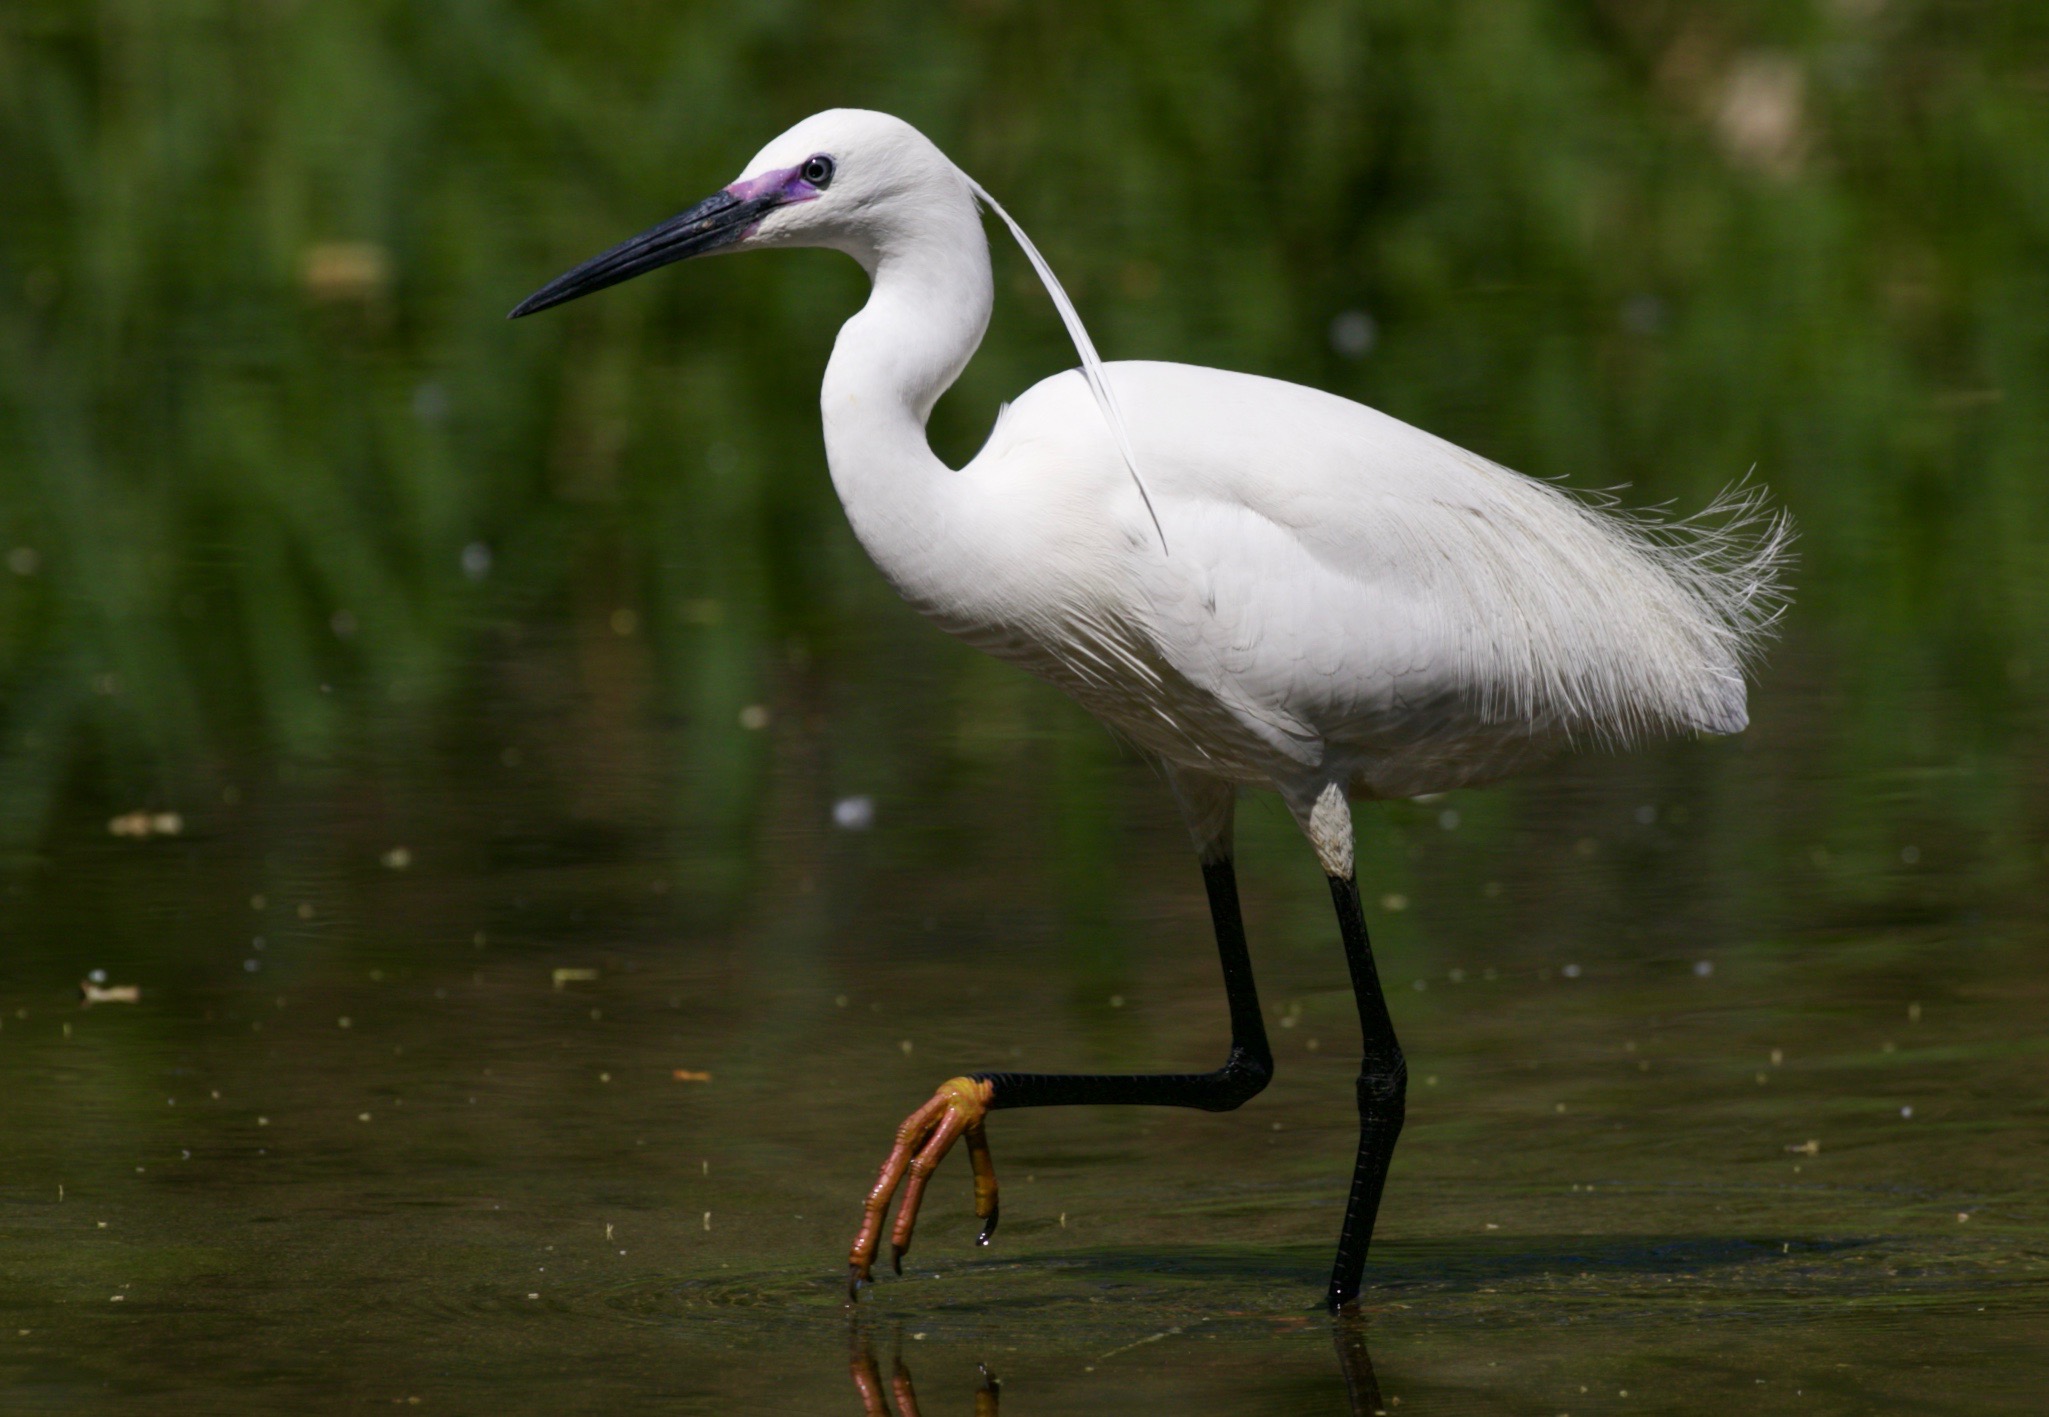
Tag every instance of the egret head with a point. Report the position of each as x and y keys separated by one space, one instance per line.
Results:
x=847 y=179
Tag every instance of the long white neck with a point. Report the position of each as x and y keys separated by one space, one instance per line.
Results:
x=923 y=321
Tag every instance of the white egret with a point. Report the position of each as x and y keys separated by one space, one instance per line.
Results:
x=1255 y=583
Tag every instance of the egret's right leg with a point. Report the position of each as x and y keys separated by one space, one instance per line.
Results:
x=1383 y=1097
x=1326 y=819
x=960 y=1106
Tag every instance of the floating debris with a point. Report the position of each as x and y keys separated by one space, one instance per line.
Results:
x=397 y=859
x=143 y=825
x=574 y=976
x=1810 y=1147
x=691 y=1075
x=854 y=814
x=90 y=993
x=342 y=272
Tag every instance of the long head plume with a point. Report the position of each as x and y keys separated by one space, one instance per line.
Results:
x=1091 y=362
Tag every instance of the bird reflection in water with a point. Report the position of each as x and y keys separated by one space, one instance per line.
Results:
x=867 y=1376
x=1348 y=1331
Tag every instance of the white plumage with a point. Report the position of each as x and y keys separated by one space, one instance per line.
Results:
x=1318 y=595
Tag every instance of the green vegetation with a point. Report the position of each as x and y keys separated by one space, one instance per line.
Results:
x=257 y=397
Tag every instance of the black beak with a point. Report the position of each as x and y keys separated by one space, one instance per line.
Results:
x=718 y=220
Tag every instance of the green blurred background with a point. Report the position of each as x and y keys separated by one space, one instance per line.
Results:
x=278 y=484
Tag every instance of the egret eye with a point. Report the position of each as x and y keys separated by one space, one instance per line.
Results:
x=817 y=171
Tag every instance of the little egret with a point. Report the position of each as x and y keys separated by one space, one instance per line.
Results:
x=1254 y=583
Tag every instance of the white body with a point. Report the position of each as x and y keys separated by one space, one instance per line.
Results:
x=1330 y=602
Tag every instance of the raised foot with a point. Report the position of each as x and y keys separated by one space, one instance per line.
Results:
x=955 y=1111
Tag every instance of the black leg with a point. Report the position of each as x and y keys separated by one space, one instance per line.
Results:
x=1244 y=1074
x=1383 y=1090
x=957 y=1110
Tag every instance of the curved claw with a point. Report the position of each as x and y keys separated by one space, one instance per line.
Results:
x=955 y=1110
x=922 y=1166
x=986 y=1207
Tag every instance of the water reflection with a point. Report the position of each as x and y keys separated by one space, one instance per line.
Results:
x=1348 y=1335
x=867 y=1375
x=1362 y=1390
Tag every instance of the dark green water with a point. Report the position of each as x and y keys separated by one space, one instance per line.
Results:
x=467 y=653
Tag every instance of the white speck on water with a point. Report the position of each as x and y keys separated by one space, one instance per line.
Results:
x=1703 y=967
x=754 y=717
x=1571 y=971
x=476 y=560
x=98 y=976
x=1906 y=1111
x=854 y=814
x=250 y=966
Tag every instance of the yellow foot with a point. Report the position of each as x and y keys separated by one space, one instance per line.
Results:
x=955 y=1111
